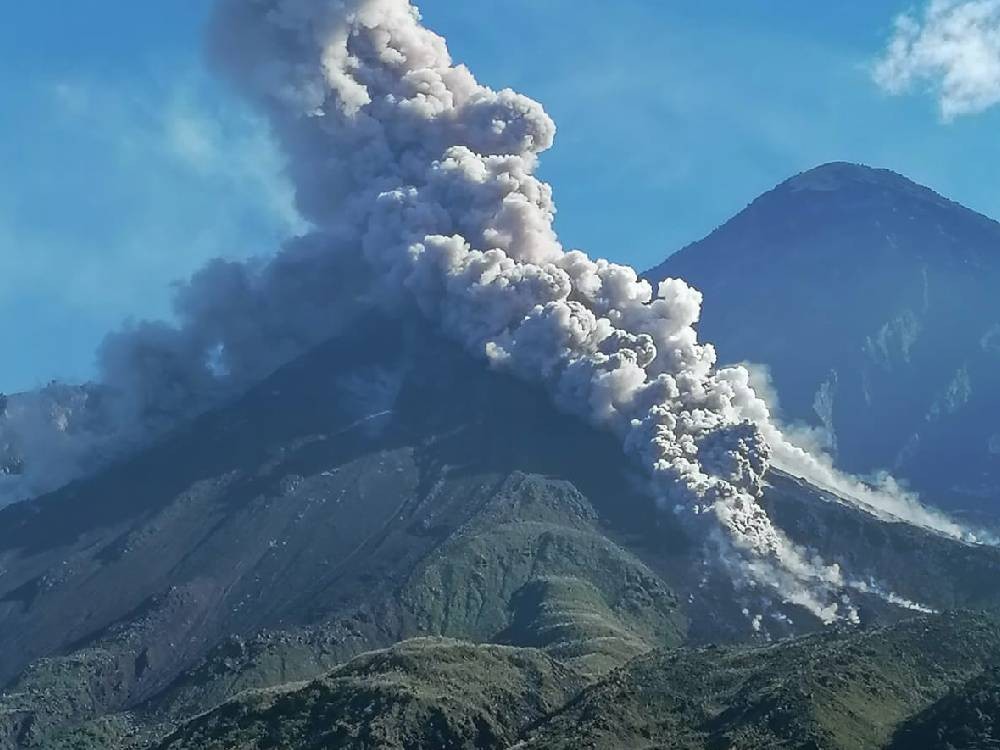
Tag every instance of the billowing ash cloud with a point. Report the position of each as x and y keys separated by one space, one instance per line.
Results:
x=419 y=185
x=952 y=48
x=237 y=323
x=401 y=156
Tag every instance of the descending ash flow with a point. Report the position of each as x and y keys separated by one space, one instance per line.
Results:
x=419 y=183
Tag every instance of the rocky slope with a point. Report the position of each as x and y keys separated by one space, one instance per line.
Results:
x=347 y=503
x=383 y=488
x=872 y=300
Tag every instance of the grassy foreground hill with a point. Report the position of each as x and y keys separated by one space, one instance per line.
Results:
x=849 y=689
x=837 y=690
x=428 y=693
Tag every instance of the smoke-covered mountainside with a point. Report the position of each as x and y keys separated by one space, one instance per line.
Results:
x=387 y=487
x=874 y=303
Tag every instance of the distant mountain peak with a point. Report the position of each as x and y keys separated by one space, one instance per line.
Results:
x=862 y=182
x=869 y=297
x=839 y=174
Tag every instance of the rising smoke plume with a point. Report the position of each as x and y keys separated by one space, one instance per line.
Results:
x=420 y=186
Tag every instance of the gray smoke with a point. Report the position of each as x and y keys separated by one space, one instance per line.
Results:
x=49 y=437
x=420 y=186
x=401 y=157
x=237 y=322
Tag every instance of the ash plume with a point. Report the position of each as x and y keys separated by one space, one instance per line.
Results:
x=403 y=158
x=419 y=185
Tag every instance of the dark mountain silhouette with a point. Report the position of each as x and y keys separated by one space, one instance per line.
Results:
x=874 y=302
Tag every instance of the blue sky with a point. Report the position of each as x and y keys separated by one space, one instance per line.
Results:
x=126 y=166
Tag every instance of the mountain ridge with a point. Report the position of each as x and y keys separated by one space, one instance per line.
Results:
x=871 y=301
x=843 y=689
x=831 y=177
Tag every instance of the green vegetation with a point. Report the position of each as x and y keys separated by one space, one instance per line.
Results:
x=426 y=693
x=846 y=689
x=838 y=690
x=533 y=569
x=530 y=569
x=967 y=718
x=58 y=692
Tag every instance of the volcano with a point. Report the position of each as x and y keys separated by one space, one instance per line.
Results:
x=872 y=302
x=365 y=495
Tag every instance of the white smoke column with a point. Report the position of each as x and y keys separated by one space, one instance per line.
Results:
x=402 y=156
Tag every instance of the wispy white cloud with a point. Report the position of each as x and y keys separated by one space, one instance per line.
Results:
x=951 y=49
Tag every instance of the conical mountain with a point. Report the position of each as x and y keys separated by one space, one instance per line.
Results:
x=874 y=303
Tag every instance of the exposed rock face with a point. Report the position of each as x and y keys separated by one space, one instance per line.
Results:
x=874 y=303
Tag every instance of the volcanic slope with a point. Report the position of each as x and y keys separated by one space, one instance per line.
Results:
x=381 y=488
